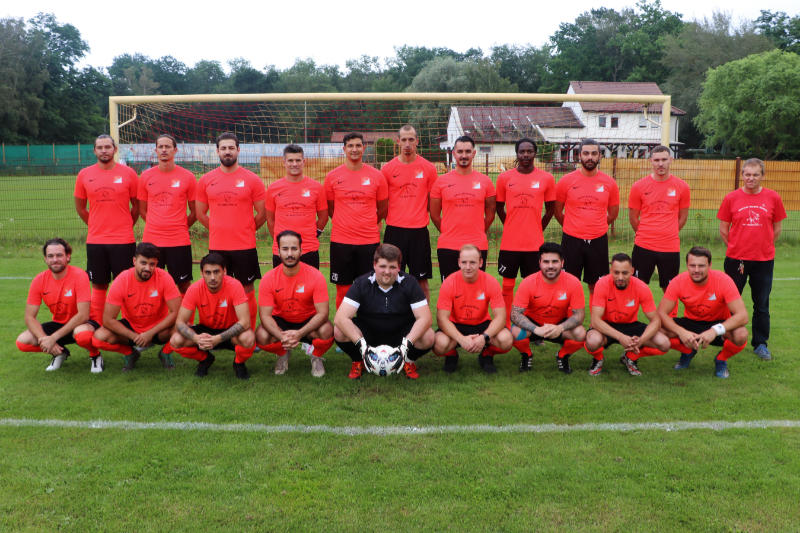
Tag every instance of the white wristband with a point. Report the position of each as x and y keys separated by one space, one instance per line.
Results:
x=719 y=329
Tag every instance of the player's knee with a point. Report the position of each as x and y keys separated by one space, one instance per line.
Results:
x=518 y=333
x=578 y=333
x=427 y=340
x=247 y=338
x=26 y=337
x=739 y=336
x=103 y=334
x=442 y=343
x=594 y=340
x=503 y=340
x=325 y=330
x=177 y=340
x=339 y=335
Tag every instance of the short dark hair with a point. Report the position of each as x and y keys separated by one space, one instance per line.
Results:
x=148 y=250
x=551 y=248
x=588 y=142
x=105 y=136
x=167 y=136
x=465 y=139
x=352 y=135
x=525 y=140
x=622 y=257
x=659 y=148
x=228 y=136
x=699 y=251
x=288 y=233
x=293 y=149
x=213 y=258
x=59 y=241
x=390 y=252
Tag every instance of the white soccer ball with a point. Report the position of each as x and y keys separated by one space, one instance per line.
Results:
x=383 y=360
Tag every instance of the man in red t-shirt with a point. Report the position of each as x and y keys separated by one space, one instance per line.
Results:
x=149 y=300
x=713 y=312
x=298 y=203
x=462 y=312
x=110 y=190
x=615 y=312
x=223 y=319
x=549 y=305
x=165 y=192
x=64 y=289
x=226 y=199
x=293 y=305
x=410 y=178
x=357 y=202
x=750 y=223
x=658 y=206
x=587 y=201
x=462 y=208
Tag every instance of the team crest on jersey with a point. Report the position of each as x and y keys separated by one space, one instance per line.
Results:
x=631 y=303
x=713 y=297
x=365 y=181
x=671 y=192
x=481 y=296
x=223 y=303
x=154 y=293
x=68 y=293
x=562 y=296
x=118 y=179
x=306 y=193
x=476 y=185
x=419 y=175
x=240 y=184
x=600 y=188
x=535 y=185
x=301 y=289
x=176 y=184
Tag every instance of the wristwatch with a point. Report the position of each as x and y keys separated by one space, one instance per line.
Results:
x=486 y=339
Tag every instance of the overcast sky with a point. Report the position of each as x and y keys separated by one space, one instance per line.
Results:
x=329 y=32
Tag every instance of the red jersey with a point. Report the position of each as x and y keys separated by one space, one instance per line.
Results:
x=751 y=236
x=295 y=206
x=524 y=195
x=61 y=296
x=659 y=203
x=215 y=309
x=586 y=201
x=293 y=297
x=143 y=303
x=463 y=202
x=550 y=303
x=167 y=195
x=409 y=187
x=355 y=196
x=469 y=303
x=230 y=199
x=707 y=302
x=109 y=193
x=622 y=306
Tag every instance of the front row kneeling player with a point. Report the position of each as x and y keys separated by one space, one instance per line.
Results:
x=384 y=307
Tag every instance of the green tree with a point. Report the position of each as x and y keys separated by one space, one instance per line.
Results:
x=781 y=29
x=206 y=77
x=22 y=81
x=246 y=79
x=523 y=66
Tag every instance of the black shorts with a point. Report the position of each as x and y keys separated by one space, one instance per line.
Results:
x=589 y=257
x=106 y=260
x=510 y=262
x=448 y=261
x=390 y=336
x=645 y=262
x=415 y=244
x=178 y=262
x=470 y=329
x=631 y=329
x=699 y=326
x=536 y=338
x=348 y=261
x=309 y=258
x=51 y=327
x=242 y=264
x=200 y=328
x=286 y=325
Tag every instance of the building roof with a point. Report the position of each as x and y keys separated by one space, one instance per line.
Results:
x=369 y=136
x=619 y=87
x=509 y=123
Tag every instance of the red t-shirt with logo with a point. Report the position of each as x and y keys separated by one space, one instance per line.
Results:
x=707 y=302
x=61 y=296
x=230 y=199
x=469 y=303
x=659 y=203
x=463 y=202
x=409 y=187
x=524 y=195
x=622 y=306
x=586 y=201
x=293 y=297
x=751 y=236
x=109 y=193
x=550 y=303
x=295 y=206
x=143 y=303
x=167 y=194
x=355 y=196
x=215 y=309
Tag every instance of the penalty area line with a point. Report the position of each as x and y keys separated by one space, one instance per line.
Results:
x=714 y=425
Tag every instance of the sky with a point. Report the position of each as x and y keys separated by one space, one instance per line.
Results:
x=329 y=32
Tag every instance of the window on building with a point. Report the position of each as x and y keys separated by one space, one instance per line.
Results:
x=601 y=121
x=615 y=122
x=485 y=149
x=642 y=122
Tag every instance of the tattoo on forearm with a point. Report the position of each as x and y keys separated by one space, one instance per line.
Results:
x=186 y=331
x=572 y=321
x=518 y=317
x=231 y=332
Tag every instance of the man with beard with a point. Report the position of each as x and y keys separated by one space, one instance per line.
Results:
x=226 y=199
x=110 y=190
x=293 y=304
x=549 y=305
x=587 y=201
x=149 y=300
x=64 y=289
x=614 y=314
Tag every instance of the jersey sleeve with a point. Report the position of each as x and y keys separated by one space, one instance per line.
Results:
x=490 y=190
x=445 y=299
x=729 y=291
x=133 y=187
x=417 y=296
x=200 y=195
x=646 y=298
x=354 y=293
x=322 y=202
x=80 y=188
x=382 y=192
x=35 y=291
x=320 y=294
x=266 y=298
x=191 y=190
x=258 y=191
x=169 y=289
x=269 y=200
x=501 y=187
x=550 y=189
x=141 y=193
x=190 y=298
x=686 y=196
x=83 y=287
x=523 y=294
x=600 y=295
x=431 y=176
x=329 y=193
x=495 y=294
x=237 y=293
x=724 y=212
x=673 y=290
x=779 y=212
x=635 y=197
x=576 y=298
x=116 y=293
x=613 y=197
x=436 y=189
x=561 y=189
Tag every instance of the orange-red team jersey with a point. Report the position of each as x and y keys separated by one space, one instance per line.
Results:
x=524 y=195
x=215 y=309
x=469 y=303
x=109 y=193
x=549 y=303
x=409 y=186
x=293 y=297
x=659 y=203
x=586 y=201
x=622 y=306
x=61 y=296
x=295 y=206
x=706 y=302
x=751 y=236
x=143 y=303
x=167 y=194
x=355 y=196
x=230 y=199
x=463 y=200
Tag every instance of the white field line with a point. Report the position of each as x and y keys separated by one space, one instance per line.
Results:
x=399 y=430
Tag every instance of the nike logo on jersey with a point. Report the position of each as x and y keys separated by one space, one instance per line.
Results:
x=481 y=296
x=132 y=295
x=419 y=175
x=240 y=184
x=306 y=193
x=630 y=304
x=476 y=185
x=223 y=303
x=68 y=293
x=600 y=188
x=535 y=296
x=535 y=185
x=671 y=192
x=301 y=289
x=45 y=292
x=279 y=290
x=154 y=293
x=458 y=296
x=176 y=184
x=712 y=298
x=118 y=179
x=562 y=296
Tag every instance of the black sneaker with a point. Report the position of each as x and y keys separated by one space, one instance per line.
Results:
x=130 y=360
x=166 y=359
x=240 y=370
x=450 y=363
x=630 y=365
x=596 y=368
x=525 y=362
x=487 y=364
x=563 y=364
x=204 y=365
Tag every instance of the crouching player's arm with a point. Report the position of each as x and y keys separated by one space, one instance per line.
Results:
x=471 y=343
x=687 y=338
x=207 y=341
x=731 y=328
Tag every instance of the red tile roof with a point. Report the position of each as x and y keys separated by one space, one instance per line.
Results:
x=619 y=87
x=509 y=123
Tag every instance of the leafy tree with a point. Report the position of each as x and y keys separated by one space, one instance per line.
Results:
x=780 y=29
x=22 y=81
x=246 y=79
x=206 y=77
x=523 y=66
x=306 y=77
